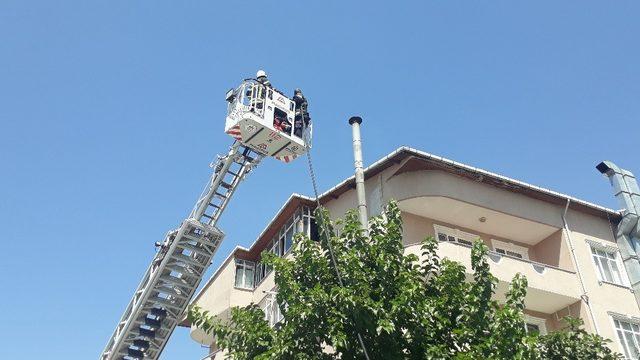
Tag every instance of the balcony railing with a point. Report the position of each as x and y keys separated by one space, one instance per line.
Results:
x=549 y=288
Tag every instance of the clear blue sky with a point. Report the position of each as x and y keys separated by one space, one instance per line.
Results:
x=110 y=113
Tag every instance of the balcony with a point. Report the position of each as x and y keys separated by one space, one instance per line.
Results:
x=524 y=233
x=550 y=288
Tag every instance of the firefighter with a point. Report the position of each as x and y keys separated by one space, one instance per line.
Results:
x=261 y=76
x=302 y=117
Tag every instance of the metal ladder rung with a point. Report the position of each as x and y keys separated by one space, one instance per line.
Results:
x=201 y=240
x=185 y=288
x=175 y=281
x=144 y=316
x=244 y=162
x=167 y=303
x=175 y=293
x=189 y=260
x=142 y=322
x=183 y=270
x=198 y=250
x=160 y=288
x=193 y=237
x=170 y=289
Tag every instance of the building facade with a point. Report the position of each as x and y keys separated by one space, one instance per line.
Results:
x=565 y=247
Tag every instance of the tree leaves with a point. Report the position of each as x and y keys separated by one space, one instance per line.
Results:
x=404 y=307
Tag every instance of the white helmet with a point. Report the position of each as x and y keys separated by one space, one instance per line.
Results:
x=261 y=73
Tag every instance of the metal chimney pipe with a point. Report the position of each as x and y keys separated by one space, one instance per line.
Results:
x=626 y=190
x=355 y=122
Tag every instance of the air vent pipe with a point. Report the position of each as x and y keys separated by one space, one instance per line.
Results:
x=355 y=122
x=625 y=188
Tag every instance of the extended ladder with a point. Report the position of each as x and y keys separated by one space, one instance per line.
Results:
x=160 y=301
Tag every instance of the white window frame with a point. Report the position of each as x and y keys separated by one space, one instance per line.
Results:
x=623 y=342
x=278 y=244
x=617 y=260
x=459 y=236
x=272 y=312
x=245 y=264
x=539 y=322
x=510 y=247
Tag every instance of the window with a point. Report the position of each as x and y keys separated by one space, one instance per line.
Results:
x=607 y=264
x=510 y=249
x=261 y=273
x=308 y=223
x=532 y=328
x=301 y=220
x=314 y=231
x=629 y=337
x=288 y=238
x=287 y=232
x=244 y=274
x=534 y=325
x=454 y=235
x=272 y=312
x=277 y=246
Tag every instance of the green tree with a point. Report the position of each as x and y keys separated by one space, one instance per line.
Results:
x=403 y=306
x=573 y=343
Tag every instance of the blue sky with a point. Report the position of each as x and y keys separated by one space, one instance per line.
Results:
x=111 y=111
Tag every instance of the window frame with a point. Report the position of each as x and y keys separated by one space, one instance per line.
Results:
x=272 y=312
x=245 y=265
x=460 y=237
x=619 y=319
x=279 y=244
x=507 y=247
x=539 y=322
x=594 y=248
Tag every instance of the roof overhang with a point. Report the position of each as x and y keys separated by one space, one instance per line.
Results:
x=409 y=159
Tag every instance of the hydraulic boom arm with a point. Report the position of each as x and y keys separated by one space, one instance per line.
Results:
x=169 y=283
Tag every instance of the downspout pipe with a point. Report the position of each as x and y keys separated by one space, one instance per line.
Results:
x=625 y=189
x=355 y=122
x=584 y=296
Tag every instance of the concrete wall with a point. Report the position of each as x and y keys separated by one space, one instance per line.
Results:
x=375 y=188
x=550 y=251
x=553 y=250
x=217 y=298
x=603 y=297
x=549 y=289
x=577 y=309
x=438 y=183
x=220 y=296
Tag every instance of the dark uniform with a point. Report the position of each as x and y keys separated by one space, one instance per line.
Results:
x=302 y=118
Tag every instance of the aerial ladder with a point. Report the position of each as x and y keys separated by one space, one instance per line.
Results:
x=264 y=122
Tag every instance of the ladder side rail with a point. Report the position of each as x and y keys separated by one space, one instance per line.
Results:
x=153 y=284
x=239 y=155
x=246 y=166
x=146 y=288
x=190 y=296
x=214 y=183
x=131 y=306
x=225 y=184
